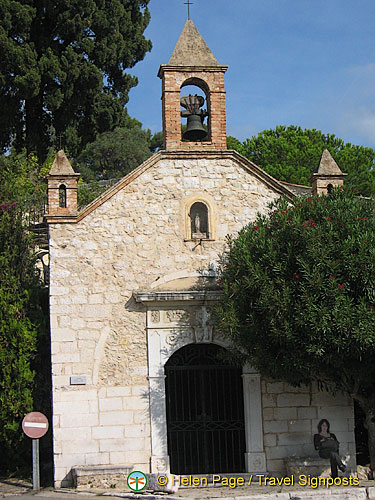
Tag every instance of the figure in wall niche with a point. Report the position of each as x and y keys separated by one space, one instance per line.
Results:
x=199 y=221
x=328 y=446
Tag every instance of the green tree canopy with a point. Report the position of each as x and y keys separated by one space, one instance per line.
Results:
x=24 y=334
x=19 y=315
x=299 y=295
x=62 y=66
x=114 y=154
x=292 y=154
x=22 y=179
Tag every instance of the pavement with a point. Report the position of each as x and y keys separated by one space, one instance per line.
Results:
x=12 y=488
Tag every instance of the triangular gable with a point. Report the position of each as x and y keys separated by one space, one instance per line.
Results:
x=327 y=165
x=191 y=49
x=249 y=166
x=61 y=166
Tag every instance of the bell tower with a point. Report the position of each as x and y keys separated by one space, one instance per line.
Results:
x=62 y=187
x=328 y=175
x=192 y=63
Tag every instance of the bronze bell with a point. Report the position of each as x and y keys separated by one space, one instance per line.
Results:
x=195 y=130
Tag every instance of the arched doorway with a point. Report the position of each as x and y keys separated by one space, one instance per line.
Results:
x=205 y=412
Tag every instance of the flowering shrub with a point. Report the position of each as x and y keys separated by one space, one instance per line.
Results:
x=299 y=294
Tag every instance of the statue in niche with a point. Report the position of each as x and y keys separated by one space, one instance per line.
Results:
x=199 y=221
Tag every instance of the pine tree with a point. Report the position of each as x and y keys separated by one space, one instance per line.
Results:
x=292 y=154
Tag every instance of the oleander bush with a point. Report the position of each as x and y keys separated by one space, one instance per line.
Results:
x=299 y=295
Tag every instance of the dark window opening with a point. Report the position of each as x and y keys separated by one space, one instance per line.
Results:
x=62 y=196
x=329 y=188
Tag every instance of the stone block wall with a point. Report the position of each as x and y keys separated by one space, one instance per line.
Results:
x=98 y=331
x=320 y=184
x=290 y=418
x=108 y=426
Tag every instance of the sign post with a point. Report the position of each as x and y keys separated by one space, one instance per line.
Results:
x=35 y=425
x=36 y=476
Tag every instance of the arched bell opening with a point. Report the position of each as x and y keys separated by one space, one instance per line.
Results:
x=329 y=188
x=195 y=109
x=62 y=196
x=205 y=412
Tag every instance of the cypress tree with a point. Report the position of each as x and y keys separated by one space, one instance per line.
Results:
x=62 y=69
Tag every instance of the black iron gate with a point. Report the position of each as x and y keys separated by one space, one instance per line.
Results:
x=205 y=415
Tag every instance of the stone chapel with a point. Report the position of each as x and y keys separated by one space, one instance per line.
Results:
x=137 y=383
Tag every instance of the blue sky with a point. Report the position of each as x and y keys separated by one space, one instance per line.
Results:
x=291 y=62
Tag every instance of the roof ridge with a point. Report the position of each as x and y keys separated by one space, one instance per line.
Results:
x=327 y=165
x=61 y=165
x=162 y=154
x=191 y=49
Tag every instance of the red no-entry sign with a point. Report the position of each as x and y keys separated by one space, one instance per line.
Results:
x=35 y=425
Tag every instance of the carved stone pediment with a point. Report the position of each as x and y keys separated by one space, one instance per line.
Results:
x=203 y=335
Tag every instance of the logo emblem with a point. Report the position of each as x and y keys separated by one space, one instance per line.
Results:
x=137 y=481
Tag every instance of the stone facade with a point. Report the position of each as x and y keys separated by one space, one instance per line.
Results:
x=130 y=242
x=131 y=282
x=98 y=330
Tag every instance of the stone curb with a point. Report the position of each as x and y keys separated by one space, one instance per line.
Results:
x=147 y=497
x=330 y=494
x=75 y=492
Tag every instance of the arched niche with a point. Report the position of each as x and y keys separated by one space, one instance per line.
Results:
x=197 y=87
x=199 y=225
x=199 y=217
x=62 y=196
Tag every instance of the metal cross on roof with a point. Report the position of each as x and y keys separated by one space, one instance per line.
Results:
x=188 y=3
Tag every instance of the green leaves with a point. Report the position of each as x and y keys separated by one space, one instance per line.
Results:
x=62 y=65
x=292 y=154
x=299 y=288
x=114 y=154
x=18 y=334
x=23 y=308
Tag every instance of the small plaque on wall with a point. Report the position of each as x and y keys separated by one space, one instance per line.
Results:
x=78 y=380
